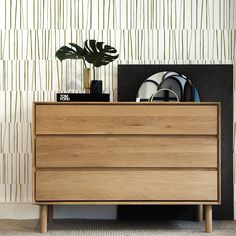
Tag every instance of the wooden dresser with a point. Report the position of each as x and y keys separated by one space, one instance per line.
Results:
x=126 y=153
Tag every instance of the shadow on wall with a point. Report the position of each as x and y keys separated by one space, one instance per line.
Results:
x=85 y=212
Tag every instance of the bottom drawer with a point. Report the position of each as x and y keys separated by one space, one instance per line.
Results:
x=136 y=185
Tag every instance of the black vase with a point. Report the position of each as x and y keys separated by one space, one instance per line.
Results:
x=96 y=87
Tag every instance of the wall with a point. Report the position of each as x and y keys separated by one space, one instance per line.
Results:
x=143 y=31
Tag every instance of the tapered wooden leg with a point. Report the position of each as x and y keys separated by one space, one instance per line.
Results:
x=200 y=213
x=43 y=218
x=50 y=213
x=208 y=219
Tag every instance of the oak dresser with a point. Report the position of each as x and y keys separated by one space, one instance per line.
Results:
x=126 y=153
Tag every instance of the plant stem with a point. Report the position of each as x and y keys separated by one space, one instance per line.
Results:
x=85 y=63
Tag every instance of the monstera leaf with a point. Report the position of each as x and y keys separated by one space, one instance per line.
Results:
x=93 y=52
x=99 y=54
x=75 y=52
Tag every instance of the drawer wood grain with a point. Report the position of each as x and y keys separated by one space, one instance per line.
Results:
x=126 y=119
x=136 y=185
x=123 y=151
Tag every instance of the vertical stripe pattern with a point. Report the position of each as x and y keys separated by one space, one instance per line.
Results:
x=143 y=31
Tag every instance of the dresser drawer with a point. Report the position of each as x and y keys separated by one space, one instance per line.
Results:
x=126 y=119
x=123 y=151
x=136 y=185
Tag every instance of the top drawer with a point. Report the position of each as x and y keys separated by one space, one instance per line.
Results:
x=126 y=119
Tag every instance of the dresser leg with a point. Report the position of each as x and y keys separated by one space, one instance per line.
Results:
x=43 y=218
x=50 y=213
x=200 y=213
x=208 y=219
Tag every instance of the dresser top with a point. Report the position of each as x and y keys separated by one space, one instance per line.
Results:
x=127 y=103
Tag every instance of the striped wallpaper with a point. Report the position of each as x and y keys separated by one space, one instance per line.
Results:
x=143 y=31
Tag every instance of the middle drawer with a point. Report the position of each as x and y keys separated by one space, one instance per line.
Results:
x=126 y=151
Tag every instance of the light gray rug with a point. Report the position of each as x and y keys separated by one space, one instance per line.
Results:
x=115 y=228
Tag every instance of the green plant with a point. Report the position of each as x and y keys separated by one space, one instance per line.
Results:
x=95 y=53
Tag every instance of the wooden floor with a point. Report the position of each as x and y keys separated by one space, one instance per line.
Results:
x=115 y=228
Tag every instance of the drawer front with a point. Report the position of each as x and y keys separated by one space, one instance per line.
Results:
x=126 y=119
x=123 y=151
x=140 y=185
